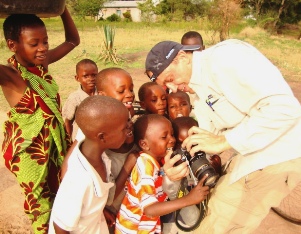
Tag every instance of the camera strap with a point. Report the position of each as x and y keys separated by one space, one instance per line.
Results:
x=202 y=208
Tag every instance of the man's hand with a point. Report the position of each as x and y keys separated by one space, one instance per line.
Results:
x=177 y=172
x=202 y=140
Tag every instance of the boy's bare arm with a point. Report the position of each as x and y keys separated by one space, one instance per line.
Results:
x=71 y=39
x=125 y=172
x=58 y=230
x=195 y=196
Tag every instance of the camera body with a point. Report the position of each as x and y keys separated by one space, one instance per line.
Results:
x=198 y=166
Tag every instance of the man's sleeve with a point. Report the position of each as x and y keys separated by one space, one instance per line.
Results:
x=251 y=83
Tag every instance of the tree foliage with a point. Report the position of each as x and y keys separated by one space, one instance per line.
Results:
x=222 y=15
x=84 y=8
x=276 y=12
x=148 y=11
x=182 y=10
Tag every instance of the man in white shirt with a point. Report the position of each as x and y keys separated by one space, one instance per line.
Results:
x=243 y=104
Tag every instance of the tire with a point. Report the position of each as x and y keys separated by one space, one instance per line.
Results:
x=290 y=207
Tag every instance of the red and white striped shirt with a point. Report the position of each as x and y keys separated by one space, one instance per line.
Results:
x=144 y=189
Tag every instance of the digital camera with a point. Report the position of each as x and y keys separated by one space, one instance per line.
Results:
x=199 y=166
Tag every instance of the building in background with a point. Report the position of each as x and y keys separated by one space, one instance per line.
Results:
x=120 y=7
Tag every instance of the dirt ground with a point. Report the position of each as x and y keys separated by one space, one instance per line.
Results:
x=14 y=221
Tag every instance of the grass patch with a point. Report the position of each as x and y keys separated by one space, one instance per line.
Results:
x=134 y=40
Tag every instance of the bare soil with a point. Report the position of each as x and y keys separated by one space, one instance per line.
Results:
x=14 y=221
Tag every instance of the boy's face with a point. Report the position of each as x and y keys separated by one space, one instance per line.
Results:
x=120 y=86
x=154 y=100
x=32 y=47
x=159 y=138
x=86 y=74
x=118 y=130
x=178 y=106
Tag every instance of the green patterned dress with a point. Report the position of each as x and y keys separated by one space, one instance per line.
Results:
x=35 y=143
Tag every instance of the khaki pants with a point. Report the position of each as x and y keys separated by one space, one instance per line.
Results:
x=240 y=207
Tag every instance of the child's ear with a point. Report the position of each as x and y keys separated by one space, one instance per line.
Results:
x=143 y=144
x=76 y=78
x=11 y=45
x=101 y=137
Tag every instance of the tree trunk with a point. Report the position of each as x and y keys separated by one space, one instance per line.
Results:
x=281 y=8
x=258 y=5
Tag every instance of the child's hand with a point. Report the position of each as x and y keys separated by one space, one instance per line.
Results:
x=130 y=161
x=199 y=192
x=110 y=217
x=177 y=172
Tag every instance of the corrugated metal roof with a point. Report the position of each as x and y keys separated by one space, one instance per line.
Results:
x=121 y=4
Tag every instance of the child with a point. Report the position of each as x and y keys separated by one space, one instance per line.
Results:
x=145 y=200
x=178 y=105
x=181 y=126
x=152 y=98
x=35 y=140
x=86 y=71
x=84 y=190
x=193 y=38
x=117 y=83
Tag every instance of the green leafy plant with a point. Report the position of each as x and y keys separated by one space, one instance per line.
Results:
x=127 y=16
x=108 y=52
x=113 y=18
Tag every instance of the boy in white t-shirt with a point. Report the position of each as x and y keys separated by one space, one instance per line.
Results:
x=83 y=193
x=116 y=83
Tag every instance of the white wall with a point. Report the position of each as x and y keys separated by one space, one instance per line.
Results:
x=135 y=13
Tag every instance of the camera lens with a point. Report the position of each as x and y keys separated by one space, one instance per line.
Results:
x=201 y=166
x=211 y=180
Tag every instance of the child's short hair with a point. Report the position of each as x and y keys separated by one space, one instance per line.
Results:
x=84 y=62
x=95 y=109
x=185 y=122
x=14 y=24
x=104 y=74
x=192 y=34
x=178 y=94
x=141 y=124
x=143 y=88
